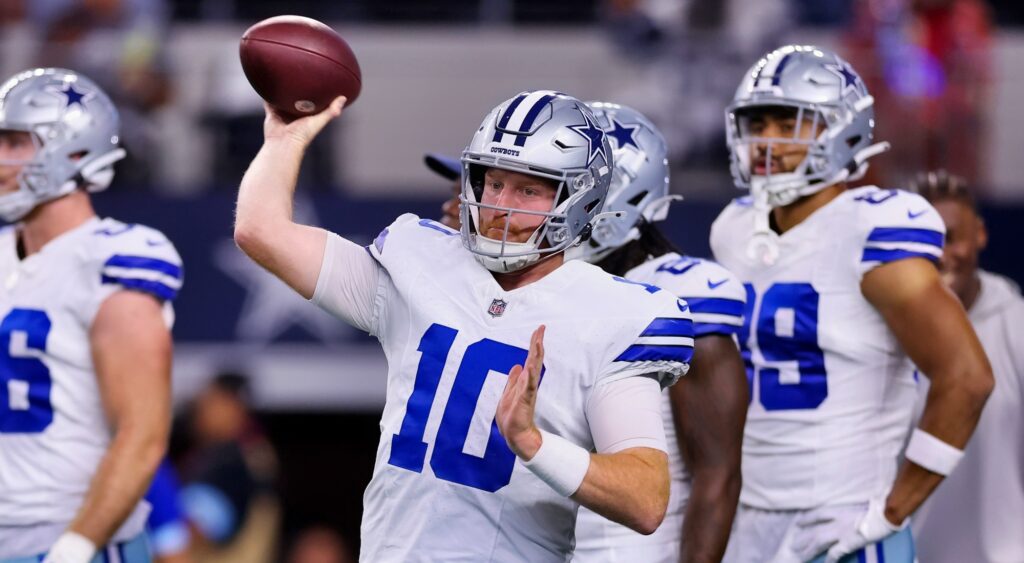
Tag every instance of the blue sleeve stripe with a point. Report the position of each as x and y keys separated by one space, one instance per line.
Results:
x=155 y=288
x=667 y=326
x=704 y=329
x=715 y=306
x=883 y=255
x=900 y=234
x=145 y=263
x=653 y=353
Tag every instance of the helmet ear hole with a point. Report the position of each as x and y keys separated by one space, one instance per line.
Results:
x=853 y=141
x=635 y=200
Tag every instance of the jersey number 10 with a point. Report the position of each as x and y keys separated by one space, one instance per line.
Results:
x=408 y=449
x=786 y=327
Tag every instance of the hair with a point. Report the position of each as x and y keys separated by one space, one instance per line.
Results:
x=233 y=383
x=940 y=185
x=652 y=243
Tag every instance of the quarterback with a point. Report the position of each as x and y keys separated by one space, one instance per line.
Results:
x=842 y=295
x=520 y=385
x=704 y=412
x=85 y=345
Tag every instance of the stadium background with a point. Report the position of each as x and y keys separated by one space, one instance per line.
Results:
x=946 y=73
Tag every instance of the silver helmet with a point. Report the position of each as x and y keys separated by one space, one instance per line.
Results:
x=639 y=188
x=549 y=135
x=819 y=88
x=75 y=129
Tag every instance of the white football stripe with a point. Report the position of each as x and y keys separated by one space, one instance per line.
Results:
x=664 y=341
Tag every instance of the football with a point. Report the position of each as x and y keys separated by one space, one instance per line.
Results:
x=299 y=65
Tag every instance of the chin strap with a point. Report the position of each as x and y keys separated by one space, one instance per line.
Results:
x=763 y=246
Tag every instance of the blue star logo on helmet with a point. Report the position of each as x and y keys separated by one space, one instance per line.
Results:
x=845 y=72
x=594 y=136
x=71 y=95
x=623 y=134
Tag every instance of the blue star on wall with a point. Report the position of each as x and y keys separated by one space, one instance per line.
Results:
x=594 y=136
x=846 y=73
x=623 y=134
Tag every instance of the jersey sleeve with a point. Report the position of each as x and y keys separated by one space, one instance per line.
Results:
x=134 y=258
x=715 y=296
x=352 y=285
x=400 y=248
x=897 y=225
x=661 y=349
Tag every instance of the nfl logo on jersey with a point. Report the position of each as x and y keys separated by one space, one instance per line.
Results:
x=497 y=307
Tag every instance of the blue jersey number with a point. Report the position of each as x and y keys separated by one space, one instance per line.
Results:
x=25 y=381
x=786 y=326
x=408 y=450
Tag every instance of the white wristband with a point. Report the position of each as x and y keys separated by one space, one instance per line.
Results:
x=559 y=463
x=71 y=547
x=932 y=453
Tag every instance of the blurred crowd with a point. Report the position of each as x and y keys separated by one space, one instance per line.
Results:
x=927 y=62
x=216 y=498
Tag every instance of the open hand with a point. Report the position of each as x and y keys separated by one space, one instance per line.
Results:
x=299 y=129
x=515 y=410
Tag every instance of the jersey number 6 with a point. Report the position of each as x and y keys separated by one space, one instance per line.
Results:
x=25 y=381
x=448 y=460
x=786 y=327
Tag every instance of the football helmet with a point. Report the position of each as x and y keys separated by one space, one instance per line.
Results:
x=75 y=128
x=640 y=179
x=819 y=86
x=549 y=135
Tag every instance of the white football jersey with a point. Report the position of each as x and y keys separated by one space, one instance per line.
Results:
x=832 y=392
x=716 y=300
x=446 y=487
x=53 y=429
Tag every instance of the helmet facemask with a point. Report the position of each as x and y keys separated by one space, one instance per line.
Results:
x=550 y=237
x=810 y=175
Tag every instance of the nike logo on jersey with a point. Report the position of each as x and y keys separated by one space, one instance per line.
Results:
x=913 y=215
x=158 y=242
x=713 y=285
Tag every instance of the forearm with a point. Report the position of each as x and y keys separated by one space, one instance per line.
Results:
x=951 y=412
x=709 y=408
x=264 y=228
x=120 y=482
x=267 y=191
x=709 y=514
x=630 y=487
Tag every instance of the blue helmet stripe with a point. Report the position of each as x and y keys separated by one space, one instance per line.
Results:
x=505 y=117
x=777 y=75
x=531 y=116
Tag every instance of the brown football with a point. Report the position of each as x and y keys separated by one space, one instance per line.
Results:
x=299 y=64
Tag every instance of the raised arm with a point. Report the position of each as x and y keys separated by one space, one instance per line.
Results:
x=933 y=329
x=709 y=407
x=264 y=228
